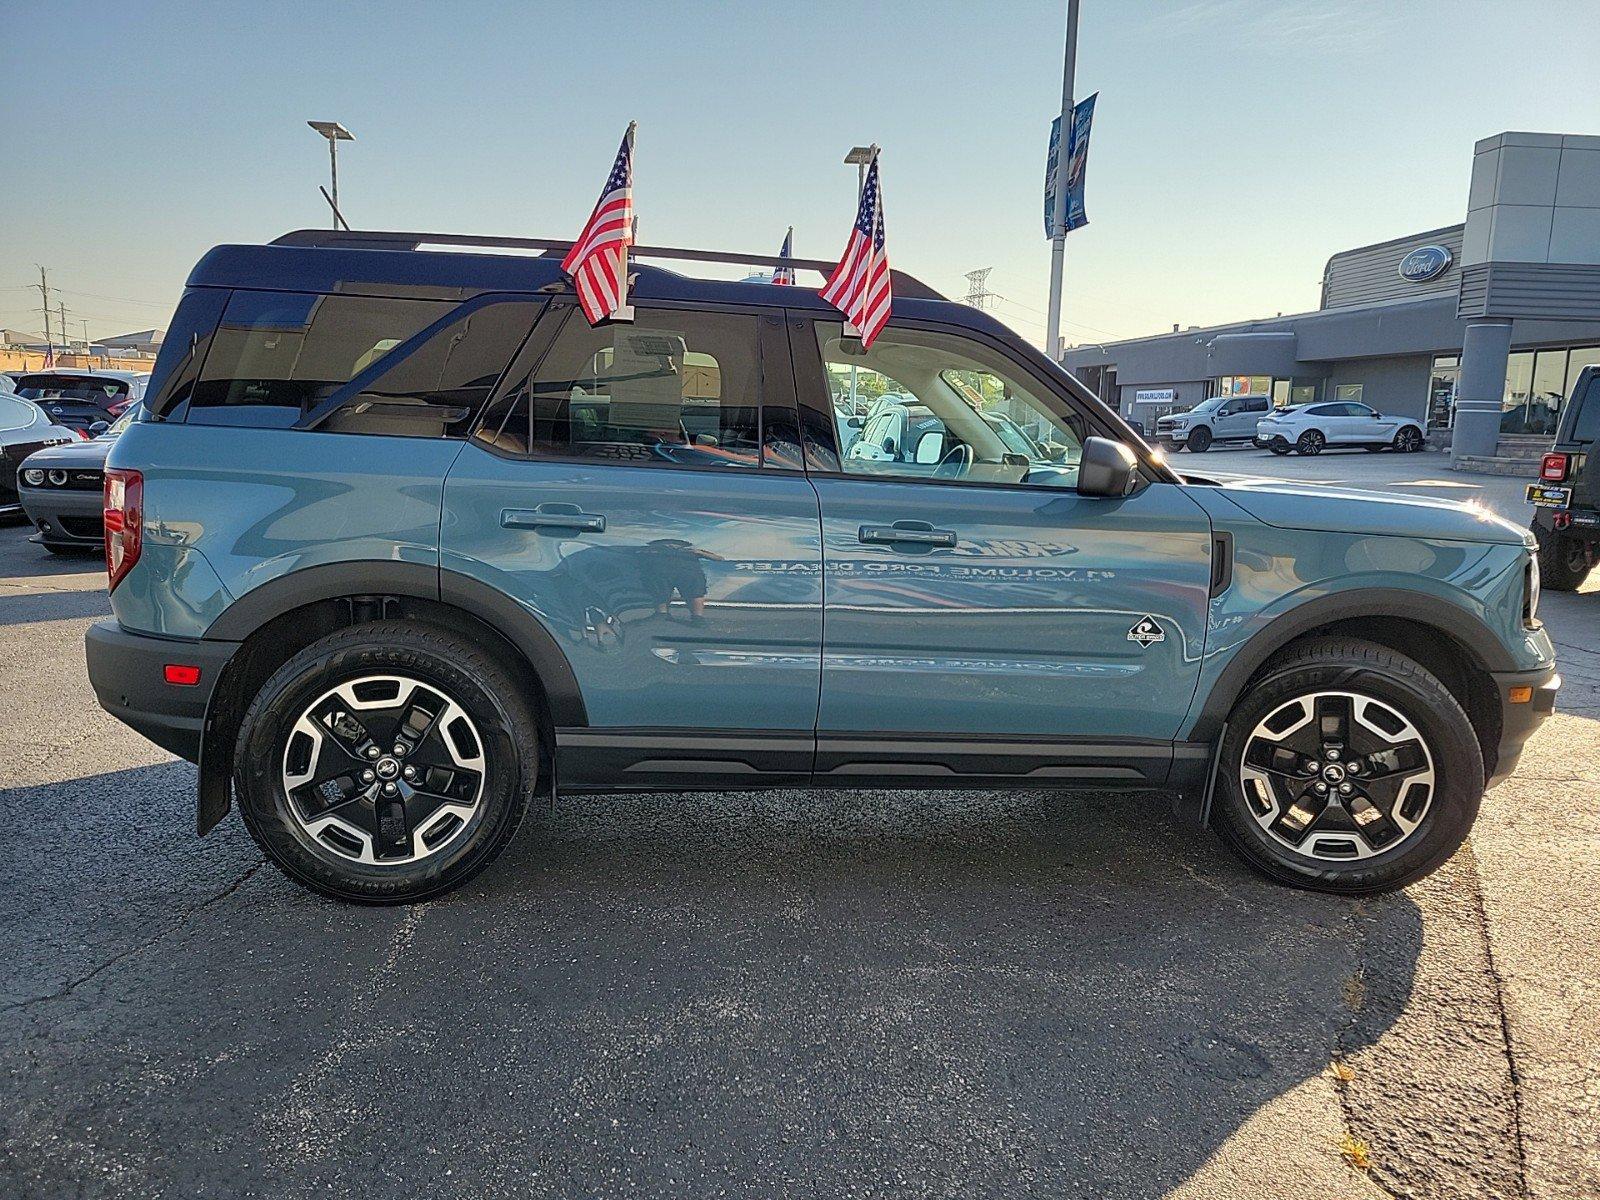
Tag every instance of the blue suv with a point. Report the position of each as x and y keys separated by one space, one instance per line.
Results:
x=402 y=542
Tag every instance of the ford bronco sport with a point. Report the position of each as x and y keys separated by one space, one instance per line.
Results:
x=402 y=541
x=1566 y=517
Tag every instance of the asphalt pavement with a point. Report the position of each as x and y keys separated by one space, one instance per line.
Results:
x=795 y=993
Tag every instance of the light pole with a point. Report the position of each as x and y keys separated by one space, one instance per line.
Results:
x=1058 y=219
x=335 y=133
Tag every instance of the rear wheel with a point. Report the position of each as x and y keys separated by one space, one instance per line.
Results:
x=1563 y=561
x=1407 y=440
x=1348 y=768
x=1199 y=440
x=1311 y=442
x=386 y=763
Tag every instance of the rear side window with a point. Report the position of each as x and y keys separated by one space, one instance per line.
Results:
x=1586 y=421
x=276 y=355
x=437 y=389
x=673 y=388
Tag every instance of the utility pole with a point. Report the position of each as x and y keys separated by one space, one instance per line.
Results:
x=66 y=338
x=44 y=292
x=1058 y=220
x=335 y=133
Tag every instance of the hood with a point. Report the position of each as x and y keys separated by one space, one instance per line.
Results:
x=1340 y=510
x=74 y=455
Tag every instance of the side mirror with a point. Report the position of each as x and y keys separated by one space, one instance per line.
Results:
x=854 y=422
x=888 y=445
x=1106 y=468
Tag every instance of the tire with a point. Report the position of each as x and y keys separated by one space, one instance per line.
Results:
x=68 y=551
x=1280 y=448
x=1407 y=440
x=348 y=675
x=1443 y=800
x=1563 y=561
x=1311 y=442
x=1199 y=440
x=1170 y=446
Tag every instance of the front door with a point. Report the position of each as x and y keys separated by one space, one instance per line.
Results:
x=638 y=489
x=980 y=617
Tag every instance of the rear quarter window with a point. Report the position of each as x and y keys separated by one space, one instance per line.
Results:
x=398 y=367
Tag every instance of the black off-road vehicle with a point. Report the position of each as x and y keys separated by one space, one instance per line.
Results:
x=1567 y=497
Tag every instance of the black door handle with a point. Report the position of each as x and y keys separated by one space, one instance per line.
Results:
x=553 y=516
x=915 y=533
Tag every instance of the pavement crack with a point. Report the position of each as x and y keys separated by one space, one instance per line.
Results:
x=1505 y=1021
x=139 y=947
x=1355 y=998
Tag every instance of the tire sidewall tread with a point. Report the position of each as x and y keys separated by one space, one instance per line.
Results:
x=491 y=695
x=1347 y=664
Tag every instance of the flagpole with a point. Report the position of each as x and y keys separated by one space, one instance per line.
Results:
x=1058 y=220
x=624 y=310
x=861 y=185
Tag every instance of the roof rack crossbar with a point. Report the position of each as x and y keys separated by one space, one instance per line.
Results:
x=374 y=239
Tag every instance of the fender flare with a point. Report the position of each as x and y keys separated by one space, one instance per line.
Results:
x=333 y=581
x=1453 y=622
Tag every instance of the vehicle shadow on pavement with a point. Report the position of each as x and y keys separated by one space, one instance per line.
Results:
x=27 y=608
x=788 y=993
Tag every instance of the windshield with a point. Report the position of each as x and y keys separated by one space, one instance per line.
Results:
x=51 y=386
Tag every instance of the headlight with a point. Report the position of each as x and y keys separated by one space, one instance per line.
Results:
x=1531 y=608
x=58 y=478
x=33 y=477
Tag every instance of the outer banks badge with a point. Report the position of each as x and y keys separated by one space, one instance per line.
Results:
x=1146 y=630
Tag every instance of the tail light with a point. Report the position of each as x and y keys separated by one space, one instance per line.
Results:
x=117 y=407
x=124 y=521
x=1553 y=468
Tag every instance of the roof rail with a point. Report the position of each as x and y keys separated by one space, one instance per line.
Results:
x=905 y=285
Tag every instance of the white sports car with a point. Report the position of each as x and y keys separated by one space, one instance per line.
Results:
x=1313 y=428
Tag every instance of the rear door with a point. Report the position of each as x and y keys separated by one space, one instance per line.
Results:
x=639 y=490
x=982 y=620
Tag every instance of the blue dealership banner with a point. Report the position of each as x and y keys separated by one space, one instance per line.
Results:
x=1078 y=161
x=1050 y=160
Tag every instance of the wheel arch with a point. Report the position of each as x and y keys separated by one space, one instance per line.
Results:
x=276 y=620
x=1442 y=637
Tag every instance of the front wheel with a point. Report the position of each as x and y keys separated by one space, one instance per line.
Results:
x=386 y=763
x=1563 y=561
x=1280 y=448
x=1199 y=440
x=1311 y=442
x=1347 y=768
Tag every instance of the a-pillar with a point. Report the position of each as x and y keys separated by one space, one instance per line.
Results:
x=1481 y=388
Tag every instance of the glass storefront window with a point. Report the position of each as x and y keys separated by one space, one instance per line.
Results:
x=1348 y=391
x=1244 y=385
x=1442 y=391
x=1303 y=393
x=1519 y=385
x=1549 y=387
x=1581 y=357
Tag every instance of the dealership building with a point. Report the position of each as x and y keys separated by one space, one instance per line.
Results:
x=1480 y=327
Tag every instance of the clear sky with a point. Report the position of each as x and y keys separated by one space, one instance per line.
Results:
x=1237 y=143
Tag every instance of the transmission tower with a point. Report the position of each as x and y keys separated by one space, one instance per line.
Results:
x=978 y=293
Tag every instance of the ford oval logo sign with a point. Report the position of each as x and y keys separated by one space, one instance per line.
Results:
x=1425 y=263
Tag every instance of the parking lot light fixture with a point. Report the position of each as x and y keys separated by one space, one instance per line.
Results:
x=335 y=133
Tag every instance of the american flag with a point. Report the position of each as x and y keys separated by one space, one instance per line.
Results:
x=785 y=274
x=598 y=260
x=859 y=287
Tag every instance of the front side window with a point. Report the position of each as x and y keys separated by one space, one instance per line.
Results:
x=673 y=388
x=950 y=409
